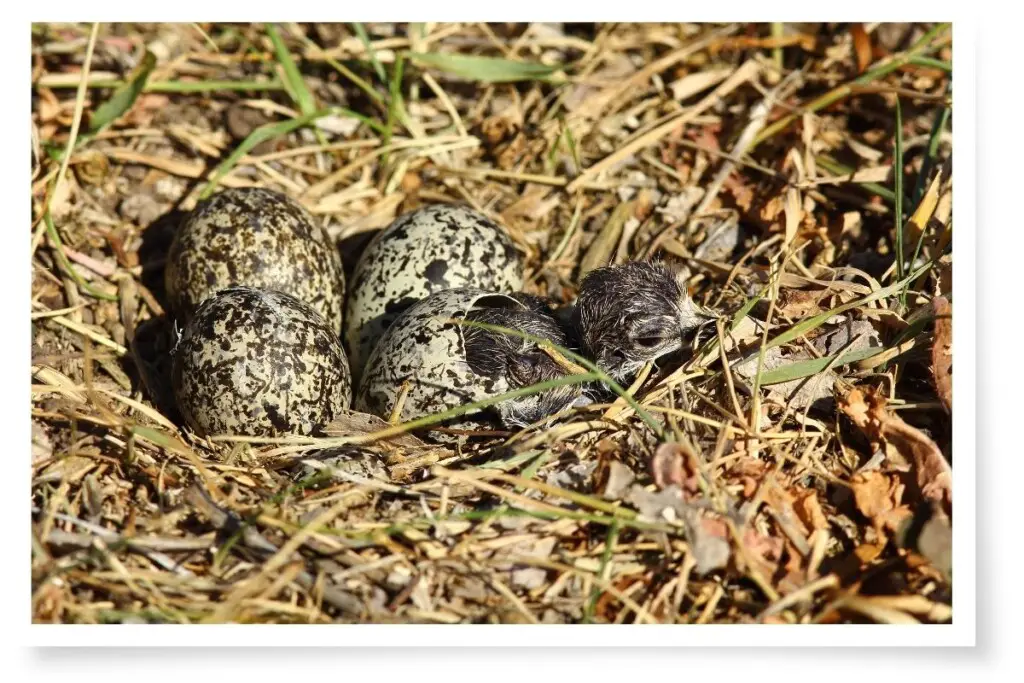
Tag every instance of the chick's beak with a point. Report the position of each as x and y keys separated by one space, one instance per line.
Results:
x=694 y=322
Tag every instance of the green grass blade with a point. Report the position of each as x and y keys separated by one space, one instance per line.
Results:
x=509 y=463
x=745 y=309
x=124 y=97
x=294 y=82
x=377 y=66
x=459 y=411
x=396 y=105
x=807 y=368
x=609 y=547
x=897 y=173
x=273 y=130
x=846 y=89
x=530 y=471
x=214 y=86
x=356 y=80
x=574 y=151
x=833 y=166
x=805 y=326
x=939 y=125
x=65 y=264
x=182 y=86
x=595 y=372
x=484 y=69
x=933 y=63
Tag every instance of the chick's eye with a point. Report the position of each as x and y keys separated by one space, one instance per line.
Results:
x=533 y=357
x=526 y=368
x=649 y=337
x=649 y=342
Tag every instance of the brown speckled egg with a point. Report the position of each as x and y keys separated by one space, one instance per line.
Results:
x=259 y=363
x=428 y=250
x=255 y=238
x=447 y=364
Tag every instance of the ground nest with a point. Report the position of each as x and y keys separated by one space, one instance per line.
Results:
x=793 y=466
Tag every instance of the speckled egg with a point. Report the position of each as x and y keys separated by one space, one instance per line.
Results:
x=256 y=238
x=428 y=250
x=447 y=364
x=259 y=363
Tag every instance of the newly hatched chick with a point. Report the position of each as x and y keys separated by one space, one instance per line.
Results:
x=445 y=364
x=519 y=361
x=630 y=314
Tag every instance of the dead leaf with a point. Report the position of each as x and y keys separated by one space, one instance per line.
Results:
x=800 y=303
x=933 y=473
x=879 y=497
x=783 y=503
x=520 y=575
x=867 y=553
x=942 y=352
x=707 y=536
x=861 y=46
x=772 y=209
x=352 y=423
x=808 y=509
x=619 y=480
x=601 y=249
x=676 y=464
x=721 y=240
x=742 y=193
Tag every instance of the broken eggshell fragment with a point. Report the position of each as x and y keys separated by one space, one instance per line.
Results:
x=431 y=249
x=432 y=363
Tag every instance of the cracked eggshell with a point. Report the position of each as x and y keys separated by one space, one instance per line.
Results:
x=257 y=238
x=259 y=363
x=429 y=352
x=428 y=250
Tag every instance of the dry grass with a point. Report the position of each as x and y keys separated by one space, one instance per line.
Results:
x=803 y=472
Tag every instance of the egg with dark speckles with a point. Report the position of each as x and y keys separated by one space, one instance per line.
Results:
x=445 y=364
x=256 y=362
x=431 y=249
x=256 y=238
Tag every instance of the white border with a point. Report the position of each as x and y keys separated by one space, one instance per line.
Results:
x=961 y=632
x=499 y=635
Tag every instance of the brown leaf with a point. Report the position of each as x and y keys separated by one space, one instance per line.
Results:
x=942 y=352
x=808 y=509
x=602 y=249
x=861 y=46
x=498 y=128
x=800 y=303
x=676 y=464
x=933 y=473
x=706 y=136
x=619 y=479
x=876 y=493
x=772 y=209
x=783 y=503
x=352 y=423
x=869 y=552
x=742 y=193
x=879 y=498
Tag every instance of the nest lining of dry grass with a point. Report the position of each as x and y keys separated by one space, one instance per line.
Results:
x=804 y=479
